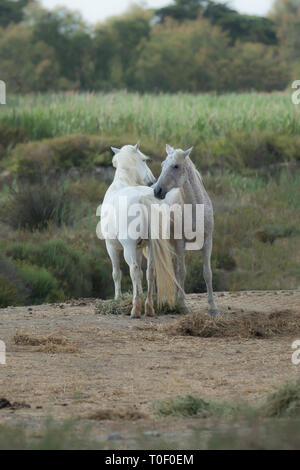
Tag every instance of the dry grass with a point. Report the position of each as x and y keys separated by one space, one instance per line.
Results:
x=47 y=344
x=123 y=306
x=237 y=324
x=117 y=414
x=284 y=402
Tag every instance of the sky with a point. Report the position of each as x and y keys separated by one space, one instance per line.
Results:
x=98 y=10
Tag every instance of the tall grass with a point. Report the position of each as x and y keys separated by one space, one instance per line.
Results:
x=183 y=118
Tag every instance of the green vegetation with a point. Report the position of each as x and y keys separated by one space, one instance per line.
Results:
x=12 y=289
x=189 y=45
x=60 y=154
x=53 y=436
x=35 y=206
x=57 y=154
x=283 y=403
x=253 y=119
x=42 y=284
x=51 y=271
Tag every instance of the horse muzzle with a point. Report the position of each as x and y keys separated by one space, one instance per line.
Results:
x=159 y=193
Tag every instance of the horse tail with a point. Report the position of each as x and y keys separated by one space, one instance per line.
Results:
x=162 y=254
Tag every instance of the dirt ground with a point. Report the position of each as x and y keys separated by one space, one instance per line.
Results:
x=114 y=368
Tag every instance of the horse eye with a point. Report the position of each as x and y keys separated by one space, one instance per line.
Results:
x=176 y=167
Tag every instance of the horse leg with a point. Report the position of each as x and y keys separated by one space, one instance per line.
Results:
x=114 y=254
x=180 y=273
x=133 y=258
x=207 y=274
x=149 y=309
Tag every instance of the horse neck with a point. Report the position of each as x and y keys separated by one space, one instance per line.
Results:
x=126 y=177
x=193 y=189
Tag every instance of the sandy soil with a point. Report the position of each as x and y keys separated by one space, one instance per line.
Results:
x=115 y=363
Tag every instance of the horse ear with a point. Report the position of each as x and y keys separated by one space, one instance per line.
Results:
x=115 y=150
x=137 y=146
x=188 y=152
x=169 y=149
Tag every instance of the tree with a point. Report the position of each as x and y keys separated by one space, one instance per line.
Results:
x=26 y=65
x=240 y=27
x=181 y=10
x=68 y=35
x=256 y=67
x=12 y=11
x=186 y=57
x=116 y=45
x=286 y=15
x=245 y=28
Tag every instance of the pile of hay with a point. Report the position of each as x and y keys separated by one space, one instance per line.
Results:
x=236 y=324
x=48 y=344
x=123 y=306
x=128 y=414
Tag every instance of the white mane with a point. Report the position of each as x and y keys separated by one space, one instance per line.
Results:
x=197 y=172
x=125 y=163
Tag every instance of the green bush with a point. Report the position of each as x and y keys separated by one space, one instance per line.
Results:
x=182 y=406
x=239 y=150
x=78 y=274
x=60 y=154
x=42 y=284
x=34 y=206
x=8 y=292
x=13 y=290
x=271 y=233
x=10 y=136
x=284 y=402
x=236 y=150
x=88 y=189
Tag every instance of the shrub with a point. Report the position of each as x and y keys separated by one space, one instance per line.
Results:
x=88 y=188
x=60 y=154
x=78 y=274
x=240 y=150
x=12 y=289
x=10 y=136
x=34 y=206
x=182 y=406
x=284 y=402
x=43 y=286
x=271 y=233
x=8 y=292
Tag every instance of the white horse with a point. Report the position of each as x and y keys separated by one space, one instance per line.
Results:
x=131 y=176
x=178 y=171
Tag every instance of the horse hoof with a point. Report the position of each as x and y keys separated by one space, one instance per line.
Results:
x=149 y=310
x=135 y=316
x=150 y=314
x=213 y=312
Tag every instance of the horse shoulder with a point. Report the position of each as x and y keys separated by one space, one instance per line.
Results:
x=174 y=197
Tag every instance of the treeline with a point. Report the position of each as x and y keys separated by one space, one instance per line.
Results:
x=190 y=45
